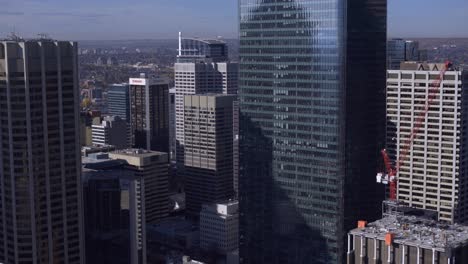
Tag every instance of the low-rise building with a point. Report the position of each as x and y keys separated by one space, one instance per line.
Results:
x=111 y=131
x=402 y=238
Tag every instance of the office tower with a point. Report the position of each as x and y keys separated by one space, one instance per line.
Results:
x=114 y=215
x=152 y=168
x=202 y=67
x=312 y=102
x=40 y=192
x=219 y=227
x=149 y=108
x=118 y=101
x=96 y=93
x=208 y=168
x=118 y=104
x=433 y=175
x=411 y=50
x=400 y=50
x=172 y=123
x=111 y=131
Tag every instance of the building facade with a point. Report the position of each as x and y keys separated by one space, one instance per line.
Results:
x=149 y=108
x=202 y=67
x=111 y=131
x=312 y=98
x=172 y=123
x=118 y=101
x=152 y=168
x=113 y=211
x=433 y=176
x=219 y=227
x=401 y=50
x=208 y=167
x=40 y=192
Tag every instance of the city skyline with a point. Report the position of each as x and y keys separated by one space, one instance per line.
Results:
x=103 y=20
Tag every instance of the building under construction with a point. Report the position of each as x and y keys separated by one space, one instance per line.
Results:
x=407 y=236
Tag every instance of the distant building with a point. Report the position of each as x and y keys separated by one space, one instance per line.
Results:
x=407 y=239
x=118 y=104
x=208 y=153
x=152 y=168
x=202 y=67
x=118 y=101
x=96 y=94
x=41 y=217
x=434 y=175
x=401 y=50
x=111 y=131
x=114 y=212
x=87 y=120
x=219 y=227
x=112 y=61
x=149 y=108
x=99 y=61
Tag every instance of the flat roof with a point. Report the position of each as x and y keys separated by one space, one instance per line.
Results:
x=141 y=153
x=417 y=232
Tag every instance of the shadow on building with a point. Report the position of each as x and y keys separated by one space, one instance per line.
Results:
x=271 y=228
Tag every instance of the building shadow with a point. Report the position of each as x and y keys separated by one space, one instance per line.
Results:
x=272 y=230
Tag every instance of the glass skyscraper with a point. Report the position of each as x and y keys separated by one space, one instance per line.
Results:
x=312 y=118
x=118 y=101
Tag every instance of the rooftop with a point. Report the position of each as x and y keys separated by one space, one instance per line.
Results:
x=416 y=231
x=207 y=41
x=141 y=153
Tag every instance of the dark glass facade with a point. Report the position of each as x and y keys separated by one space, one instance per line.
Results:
x=312 y=119
x=196 y=49
x=149 y=117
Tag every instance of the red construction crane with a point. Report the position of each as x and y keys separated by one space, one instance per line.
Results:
x=392 y=172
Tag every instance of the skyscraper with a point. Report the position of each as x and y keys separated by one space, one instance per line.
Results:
x=434 y=174
x=114 y=212
x=202 y=67
x=208 y=153
x=149 y=108
x=118 y=101
x=40 y=191
x=312 y=119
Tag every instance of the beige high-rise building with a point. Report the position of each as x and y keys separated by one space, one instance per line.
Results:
x=434 y=174
x=208 y=159
x=202 y=67
x=40 y=186
x=153 y=168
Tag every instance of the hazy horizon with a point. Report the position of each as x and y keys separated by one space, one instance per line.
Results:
x=161 y=19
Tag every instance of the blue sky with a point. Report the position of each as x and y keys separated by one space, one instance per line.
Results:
x=153 y=19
